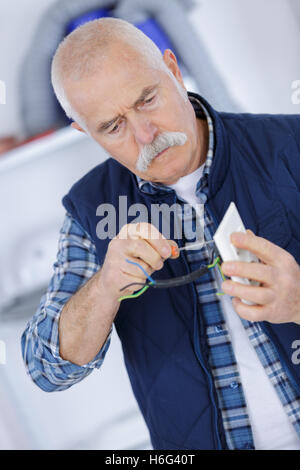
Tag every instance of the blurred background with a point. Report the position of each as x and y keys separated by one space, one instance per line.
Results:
x=241 y=55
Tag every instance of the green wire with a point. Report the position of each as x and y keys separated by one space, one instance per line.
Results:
x=214 y=263
x=217 y=262
x=137 y=294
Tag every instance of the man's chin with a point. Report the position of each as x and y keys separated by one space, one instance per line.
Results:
x=161 y=177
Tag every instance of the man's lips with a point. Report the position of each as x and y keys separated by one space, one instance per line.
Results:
x=159 y=154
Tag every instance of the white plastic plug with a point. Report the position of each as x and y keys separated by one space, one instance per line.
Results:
x=230 y=223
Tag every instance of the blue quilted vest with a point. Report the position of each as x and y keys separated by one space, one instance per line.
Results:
x=256 y=165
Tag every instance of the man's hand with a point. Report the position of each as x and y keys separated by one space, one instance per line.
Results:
x=141 y=243
x=278 y=296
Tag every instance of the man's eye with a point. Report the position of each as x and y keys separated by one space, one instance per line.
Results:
x=115 y=129
x=149 y=100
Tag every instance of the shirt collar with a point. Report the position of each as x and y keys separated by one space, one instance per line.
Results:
x=201 y=113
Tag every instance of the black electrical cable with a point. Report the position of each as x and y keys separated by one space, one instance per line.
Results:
x=133 y=284
x=180 y=280
x=171 y=282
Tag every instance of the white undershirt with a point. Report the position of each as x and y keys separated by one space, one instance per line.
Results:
x=271 y=427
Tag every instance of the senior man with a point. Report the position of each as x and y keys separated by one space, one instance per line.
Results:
x=208 y=371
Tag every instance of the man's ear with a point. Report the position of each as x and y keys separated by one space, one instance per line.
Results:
x=77 y=126
x=170 y=60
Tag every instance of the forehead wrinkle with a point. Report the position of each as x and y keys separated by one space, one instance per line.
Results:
x=145 y=92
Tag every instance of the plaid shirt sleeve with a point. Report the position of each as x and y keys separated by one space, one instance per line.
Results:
x=76 y=262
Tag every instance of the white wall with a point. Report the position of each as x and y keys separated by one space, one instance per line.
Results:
x=255 y=46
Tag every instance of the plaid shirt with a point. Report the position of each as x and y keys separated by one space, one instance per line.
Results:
x=76 y=263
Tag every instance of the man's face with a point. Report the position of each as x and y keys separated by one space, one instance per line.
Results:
x=128 y=104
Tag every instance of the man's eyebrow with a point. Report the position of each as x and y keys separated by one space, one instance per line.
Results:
x=106 y=125
x=146 y=91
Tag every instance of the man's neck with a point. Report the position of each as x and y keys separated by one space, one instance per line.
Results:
x=202 y=143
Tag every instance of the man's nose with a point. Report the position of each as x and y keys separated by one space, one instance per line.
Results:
x=144 y=130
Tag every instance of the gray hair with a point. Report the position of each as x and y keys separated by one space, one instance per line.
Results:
x=80 y=52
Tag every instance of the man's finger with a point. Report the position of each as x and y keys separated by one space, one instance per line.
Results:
x=250 y=312
x=265 y=250
x=149 y=233
x=258 y=295
x=141 y=249
x=260 y=272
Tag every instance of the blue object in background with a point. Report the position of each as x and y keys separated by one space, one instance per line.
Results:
x=91 y=15
x=152 y=29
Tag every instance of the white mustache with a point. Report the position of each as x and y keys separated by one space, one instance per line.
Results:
x=160 y=143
